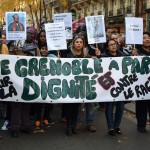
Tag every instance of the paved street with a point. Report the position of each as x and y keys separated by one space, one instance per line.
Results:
x=55 y=138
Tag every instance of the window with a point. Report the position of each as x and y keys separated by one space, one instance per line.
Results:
x=129 y=2
x=112 y=3
x=120 y=4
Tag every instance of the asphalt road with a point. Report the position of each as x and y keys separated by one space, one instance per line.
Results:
x=55 y=138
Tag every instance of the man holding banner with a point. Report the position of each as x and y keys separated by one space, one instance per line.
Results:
x=20 y=115
x=142 y=105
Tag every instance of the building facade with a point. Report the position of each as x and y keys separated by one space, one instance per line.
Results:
x=114 y=11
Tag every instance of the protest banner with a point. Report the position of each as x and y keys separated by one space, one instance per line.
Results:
x=67 y=19
x=134 y=30
x=16 y=25
x=74 y=80
x=55 y=35
x=95 y=29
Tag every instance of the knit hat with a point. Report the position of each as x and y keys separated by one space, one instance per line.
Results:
x=30 y=28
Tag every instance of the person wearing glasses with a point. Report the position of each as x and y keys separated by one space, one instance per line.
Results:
x=113 y=121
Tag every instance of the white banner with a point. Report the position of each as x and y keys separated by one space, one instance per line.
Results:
x=134 y=30
x=47 y=80
x=67 y=19
x=55 y=36
x=95 y=29
x=16 y=25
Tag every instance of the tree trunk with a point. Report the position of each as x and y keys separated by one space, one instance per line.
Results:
x=37 y=21
x=50 y=5
x=69 y=5
x=32 y=15
x=124 y=13
x=137 y=8
x=44 y=10
x=106 y=13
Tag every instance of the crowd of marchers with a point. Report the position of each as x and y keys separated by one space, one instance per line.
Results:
x=18 y=114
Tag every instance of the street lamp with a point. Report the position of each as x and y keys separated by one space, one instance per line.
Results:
x=79 y=15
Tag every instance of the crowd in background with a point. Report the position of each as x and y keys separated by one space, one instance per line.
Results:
x=18 y=114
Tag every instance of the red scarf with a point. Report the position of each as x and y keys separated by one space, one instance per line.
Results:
x=14 y=24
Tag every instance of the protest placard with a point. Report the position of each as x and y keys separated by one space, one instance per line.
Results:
x=134 y=30
x=15 y=25
x=95 y=29
x=67 y=19
x=55 y=35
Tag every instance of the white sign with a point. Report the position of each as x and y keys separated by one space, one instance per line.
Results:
x=95 y=29
x=4 y=27
x=134 y=30
x=16 y=25
x=55 y=35
x=67 y=19
x=74 y=80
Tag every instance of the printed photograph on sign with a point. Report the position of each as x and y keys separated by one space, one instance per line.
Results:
x=95 y=29
x=67 y=19
x=16 y=25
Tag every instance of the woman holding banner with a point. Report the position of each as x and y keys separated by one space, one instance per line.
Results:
x=77 y=50
x=42 y=111
x=142 y=105
x=113 y=122
x=92 y=50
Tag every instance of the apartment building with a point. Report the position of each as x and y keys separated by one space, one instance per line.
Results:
x=146 y=14
x=114 y=11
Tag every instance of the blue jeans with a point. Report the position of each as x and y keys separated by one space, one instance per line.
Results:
x=89 y=114
x=114 y=120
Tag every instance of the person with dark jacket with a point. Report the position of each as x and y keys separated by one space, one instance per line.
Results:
x=20 y=112
x=142 y=105
x=93 y=51
x=77 y=50
x=113 y=121
x=42 y=111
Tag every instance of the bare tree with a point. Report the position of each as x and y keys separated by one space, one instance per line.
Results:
x=31 y=14
x=106 y=12
x=137 y=8
x=44 y=10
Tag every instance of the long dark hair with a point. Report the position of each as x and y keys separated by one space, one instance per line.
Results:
x=38 y=38
x=107 y=44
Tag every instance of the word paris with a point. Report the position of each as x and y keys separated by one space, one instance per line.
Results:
x=45 y=79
